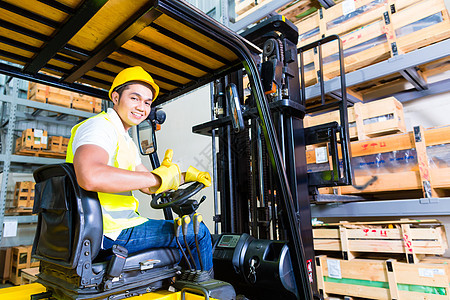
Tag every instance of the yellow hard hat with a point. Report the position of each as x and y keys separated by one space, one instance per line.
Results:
x=134 y=74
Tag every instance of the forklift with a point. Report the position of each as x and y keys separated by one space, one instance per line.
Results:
x=265 y=246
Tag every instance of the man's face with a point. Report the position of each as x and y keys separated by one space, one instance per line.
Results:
x=134 y=105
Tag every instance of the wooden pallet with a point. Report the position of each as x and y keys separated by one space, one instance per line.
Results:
x=24 y=194
x=412 y=238
x=363 y=24
x=40 y=153
x=18 y=211
x=29 y=275
x=429 y=181
x=366 y=120
x=383 y=279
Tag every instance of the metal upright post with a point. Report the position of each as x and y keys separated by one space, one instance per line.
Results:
x=8 y=153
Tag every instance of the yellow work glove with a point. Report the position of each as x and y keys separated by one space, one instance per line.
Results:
x=169 y=173
x=192 y=174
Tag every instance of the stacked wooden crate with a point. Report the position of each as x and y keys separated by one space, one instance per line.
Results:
x=415 y=162
x=371 y=31
x=58 y=144
x=412 y=275
x=47 y=94
x=36 y=142
x=24 y=196
x=21 y=259
x=32 y=139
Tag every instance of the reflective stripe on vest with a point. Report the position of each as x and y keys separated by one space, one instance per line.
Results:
x=120 y=209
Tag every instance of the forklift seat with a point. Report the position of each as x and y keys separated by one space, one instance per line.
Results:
x=68 y=244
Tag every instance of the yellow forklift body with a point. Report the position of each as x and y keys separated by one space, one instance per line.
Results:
x=24 y=292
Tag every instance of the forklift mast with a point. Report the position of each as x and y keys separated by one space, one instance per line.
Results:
x=260 y=196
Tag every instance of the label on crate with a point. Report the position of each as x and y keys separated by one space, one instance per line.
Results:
x=321 y=155
x=334 y=268
x=44 y=140
x=430 y=272
x=38 y=133
x=348 y=6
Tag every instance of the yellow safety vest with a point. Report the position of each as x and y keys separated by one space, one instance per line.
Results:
x=119 y=210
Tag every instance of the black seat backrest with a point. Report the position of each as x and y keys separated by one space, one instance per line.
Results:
x=68 y=216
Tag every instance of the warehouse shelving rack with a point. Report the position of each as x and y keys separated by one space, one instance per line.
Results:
x=9 y=162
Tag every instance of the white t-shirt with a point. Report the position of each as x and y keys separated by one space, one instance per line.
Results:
x=99 y=132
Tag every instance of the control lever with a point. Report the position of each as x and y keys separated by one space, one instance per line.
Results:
x=197 y=219
x=177 y=224
x=252 y=273
x=186 y=220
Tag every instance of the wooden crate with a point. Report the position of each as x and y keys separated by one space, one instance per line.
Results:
x=32 y=138
x=244 y=8
x=5 y=264
x=429 y=181
x=47 y=94
x=382 y=279
x=366 y=37
x=365 y=120
x=297 y=10
x=58 y=144
x=21 y=259
x=24 y=194
x=86 y=103
x=413 y=238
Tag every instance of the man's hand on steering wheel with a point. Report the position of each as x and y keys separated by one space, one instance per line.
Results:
x=178 y=197
x=169 y=173
x=192 y=174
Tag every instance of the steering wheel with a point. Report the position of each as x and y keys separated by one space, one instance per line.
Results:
x=178 y=197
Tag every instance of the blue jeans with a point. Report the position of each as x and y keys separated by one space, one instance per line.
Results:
x=160 y=233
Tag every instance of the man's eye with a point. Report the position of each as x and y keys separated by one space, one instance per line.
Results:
x=134 y=98
x=148 y=103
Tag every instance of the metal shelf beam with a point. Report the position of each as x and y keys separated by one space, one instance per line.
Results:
x=384 y=68
x=22 y=219
x=386 y=208
x=32 y=159
x=45 y=106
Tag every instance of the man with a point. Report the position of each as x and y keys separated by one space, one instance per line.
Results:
x=107 y=161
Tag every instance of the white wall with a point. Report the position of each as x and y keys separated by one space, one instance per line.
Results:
x=189 y=148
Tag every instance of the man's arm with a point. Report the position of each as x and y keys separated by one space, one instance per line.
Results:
x=146 y=190
x=94 y=174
